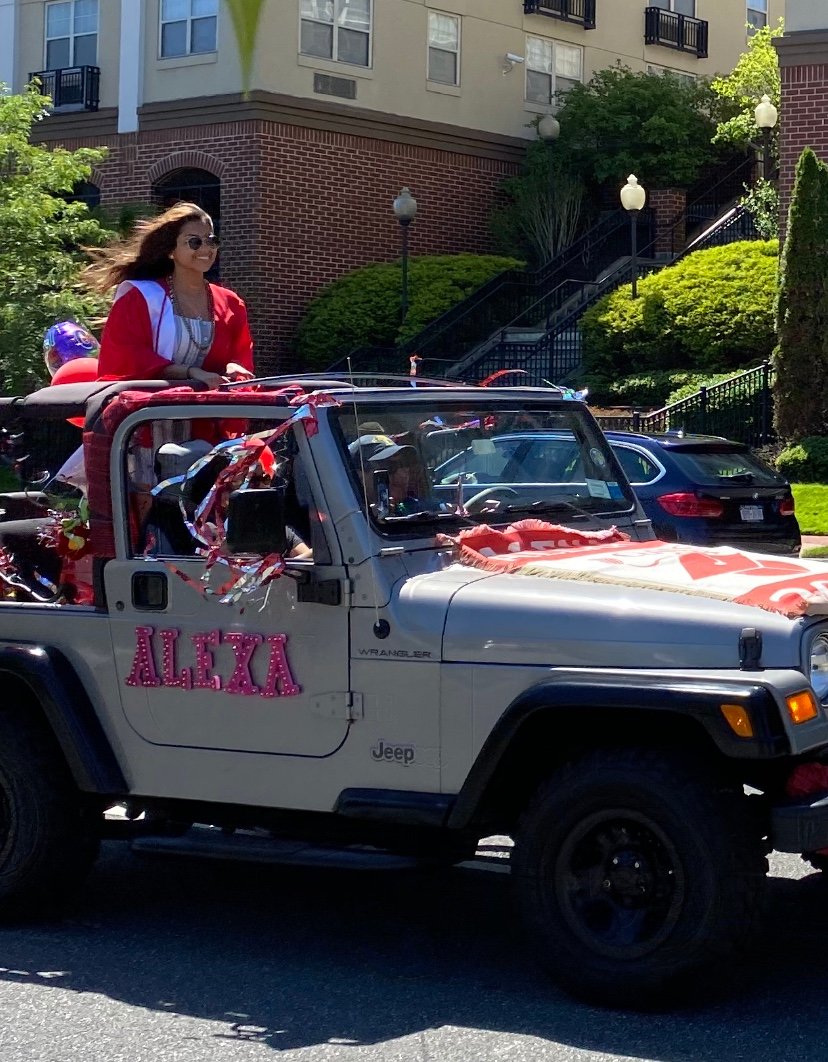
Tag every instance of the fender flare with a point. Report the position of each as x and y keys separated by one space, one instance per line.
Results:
x=69 y=714
x=687 y=698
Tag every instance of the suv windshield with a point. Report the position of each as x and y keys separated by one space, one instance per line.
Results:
x=483 y=461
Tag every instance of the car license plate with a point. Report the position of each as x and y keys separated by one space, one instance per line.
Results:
x=752 y=512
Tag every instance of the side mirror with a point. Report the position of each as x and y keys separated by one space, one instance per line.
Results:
x=256 y=522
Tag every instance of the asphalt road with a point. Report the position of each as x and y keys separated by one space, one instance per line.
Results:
x=174 y=960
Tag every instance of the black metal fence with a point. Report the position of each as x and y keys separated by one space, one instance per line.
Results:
x=740 y=408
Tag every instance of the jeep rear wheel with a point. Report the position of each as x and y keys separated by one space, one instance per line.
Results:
x=634 y=870
x=47 y=837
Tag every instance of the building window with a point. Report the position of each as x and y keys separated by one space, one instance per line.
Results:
x=678 y=7
x=682 y=75
x=337 y=29
x=188 y=27
x=443 y=48
x=551 y=67
x=757 y=13
x=71 y=34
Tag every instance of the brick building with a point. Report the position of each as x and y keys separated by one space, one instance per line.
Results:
x=350 y=101
x=803 y=63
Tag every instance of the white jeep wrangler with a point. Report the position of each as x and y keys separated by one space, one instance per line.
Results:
x=448 y=664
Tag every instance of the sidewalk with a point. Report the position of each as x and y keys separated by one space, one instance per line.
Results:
x=808 y=541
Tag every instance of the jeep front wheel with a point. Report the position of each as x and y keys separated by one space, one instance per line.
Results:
x=634 y=870
x=48 y=839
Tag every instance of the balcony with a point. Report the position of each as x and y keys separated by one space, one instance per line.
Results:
x=581 y=12
x=681 y=32
x=74 y=88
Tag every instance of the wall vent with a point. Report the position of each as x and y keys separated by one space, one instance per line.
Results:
x=328 y=85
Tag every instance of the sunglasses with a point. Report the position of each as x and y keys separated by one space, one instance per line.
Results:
x=195 y=242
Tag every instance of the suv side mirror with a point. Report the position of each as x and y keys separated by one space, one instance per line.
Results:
x=256 y=521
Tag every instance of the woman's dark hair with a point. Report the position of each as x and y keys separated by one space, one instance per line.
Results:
x=146 y=254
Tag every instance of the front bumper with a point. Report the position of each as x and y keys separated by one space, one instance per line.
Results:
x=801 y=826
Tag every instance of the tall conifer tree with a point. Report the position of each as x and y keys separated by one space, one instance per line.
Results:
x=801 y=357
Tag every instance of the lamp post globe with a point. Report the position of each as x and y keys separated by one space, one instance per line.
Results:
x=405 y=210
x=766 y=116
x=633 y=198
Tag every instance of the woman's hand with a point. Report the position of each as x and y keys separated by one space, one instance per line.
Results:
x=212 y=379
x=235 y=372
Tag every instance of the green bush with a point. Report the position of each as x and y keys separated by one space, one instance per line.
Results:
x=711 y=311
x=656 y=389
x=362 y=308
x=806 y=462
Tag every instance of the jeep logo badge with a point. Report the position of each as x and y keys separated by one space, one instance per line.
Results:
x=403 y=754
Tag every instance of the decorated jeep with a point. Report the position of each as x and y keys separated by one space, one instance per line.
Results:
x=336 y=610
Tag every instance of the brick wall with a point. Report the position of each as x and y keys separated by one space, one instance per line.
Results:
x=803 y=68
x=668 y=204
x=301 y=206
x=802 y=121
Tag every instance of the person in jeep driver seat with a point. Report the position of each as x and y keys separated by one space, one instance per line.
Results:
x=409 y=490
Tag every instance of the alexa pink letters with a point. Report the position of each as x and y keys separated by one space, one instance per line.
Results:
x=202 y=674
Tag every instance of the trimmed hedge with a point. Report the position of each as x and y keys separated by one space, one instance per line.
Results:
x=805 y=462
x=656 y=389
x=362 y=308
x=711 y=311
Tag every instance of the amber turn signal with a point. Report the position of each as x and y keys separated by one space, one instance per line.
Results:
x=802 y=706
x=738 y=719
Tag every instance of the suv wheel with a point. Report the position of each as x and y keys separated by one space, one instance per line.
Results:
x=635 y=869
x=48 y=840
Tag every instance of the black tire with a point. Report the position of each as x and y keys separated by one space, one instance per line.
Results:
x=634 y=870
x=48 y=834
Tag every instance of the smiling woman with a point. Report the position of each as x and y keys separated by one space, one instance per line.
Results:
x=166 y=320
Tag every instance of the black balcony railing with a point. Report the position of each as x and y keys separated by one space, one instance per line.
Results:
x=71 y=88
x=675 y=31
x=581 y=12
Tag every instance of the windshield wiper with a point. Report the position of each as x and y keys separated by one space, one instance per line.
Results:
x=426 y=516
x=549 y=507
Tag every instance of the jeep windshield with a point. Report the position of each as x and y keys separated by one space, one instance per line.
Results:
x=440 y=461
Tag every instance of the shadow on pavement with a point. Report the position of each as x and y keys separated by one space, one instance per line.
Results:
x=291 y=958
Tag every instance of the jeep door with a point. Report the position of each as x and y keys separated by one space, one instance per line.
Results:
x=269 y=675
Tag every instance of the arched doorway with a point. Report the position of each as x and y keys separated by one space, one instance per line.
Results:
x=193 y=186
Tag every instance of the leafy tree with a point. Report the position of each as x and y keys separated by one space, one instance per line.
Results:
x=41 y=236
x=756 y=74
x=762 y=200
x=543 y=207
x=362 y=308
x=621 y=122
x=801 y=387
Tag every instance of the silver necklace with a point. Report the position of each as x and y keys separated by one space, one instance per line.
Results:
x=198 y=343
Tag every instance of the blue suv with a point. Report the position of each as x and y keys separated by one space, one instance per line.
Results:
x=708 y=491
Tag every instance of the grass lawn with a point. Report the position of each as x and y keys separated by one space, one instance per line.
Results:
x=811 y=507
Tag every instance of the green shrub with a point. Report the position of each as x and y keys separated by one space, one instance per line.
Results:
x=806 y=462
x=711 y=311
x=362 y=308
x=656 y=389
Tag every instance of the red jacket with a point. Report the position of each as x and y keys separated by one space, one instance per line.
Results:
x=128 y=347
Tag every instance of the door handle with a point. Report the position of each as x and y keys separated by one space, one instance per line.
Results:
x=149 y=591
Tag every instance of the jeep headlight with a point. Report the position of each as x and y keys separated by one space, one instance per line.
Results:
x=819 y=667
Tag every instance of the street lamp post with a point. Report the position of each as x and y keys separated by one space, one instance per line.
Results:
x=405 y=209
x=549 y=129
x=633 y=198
x=766 y=116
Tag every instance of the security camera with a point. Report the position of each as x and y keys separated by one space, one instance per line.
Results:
x=512 y=58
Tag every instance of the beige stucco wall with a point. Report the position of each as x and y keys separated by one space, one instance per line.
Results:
x=806 y=15
x=487 y=99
